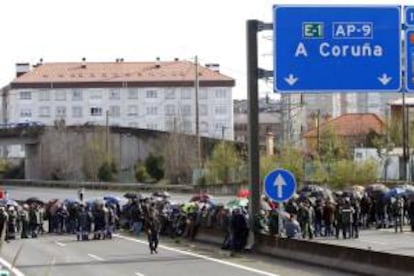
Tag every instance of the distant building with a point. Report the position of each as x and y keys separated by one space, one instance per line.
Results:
x=269 y=123
x=156 y=95
x=354 y=128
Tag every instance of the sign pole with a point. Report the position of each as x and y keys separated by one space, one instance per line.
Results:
x=253 y=126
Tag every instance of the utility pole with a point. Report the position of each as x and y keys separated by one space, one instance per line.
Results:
x=197 y=117
x=404 y=140
x=318 y=136
x=107 y=135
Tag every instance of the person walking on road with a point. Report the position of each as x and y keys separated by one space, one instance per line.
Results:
x=153 y=229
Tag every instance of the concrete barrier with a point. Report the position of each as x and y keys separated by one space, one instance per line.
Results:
x=332 y=256
x=97 y=185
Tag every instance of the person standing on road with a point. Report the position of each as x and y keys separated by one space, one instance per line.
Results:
x=3 y=224
x=398 y=213
x=411 y=212
x=328 y=216
x=347 y=213
x=153 y=229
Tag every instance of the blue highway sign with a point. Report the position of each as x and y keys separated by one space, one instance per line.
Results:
x=343 y=48
x=409 y=52
x=280 y=185
x=409 y=16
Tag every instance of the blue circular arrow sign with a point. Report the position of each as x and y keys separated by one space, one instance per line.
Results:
x=280 y=185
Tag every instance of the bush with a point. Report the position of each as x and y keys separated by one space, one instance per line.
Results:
x=106 y=171
x=141 y=174
x=15 y=172
x=155 y=166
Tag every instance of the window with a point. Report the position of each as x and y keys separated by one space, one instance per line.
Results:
x=132 y=94
x=186 y=110
x=44 y=95
x=95 y=95
x=187 y=126
x=170 y=125
x=77 y=112
x=76 y=95
x=203 y=94
x=25 y=112
x=170 y=94
x=170 y=109
x=44 y=111
x=152 y=110
x=132 y=110
x=61 y=111
x=203 y=110
x=114 y=94
x=96 y=111
x=221 y=93
x=60 y=95
x=151 y=94
x=115 y=111
x=220 y=110
x=186 y=94
x=25 y=95
x=204 y=127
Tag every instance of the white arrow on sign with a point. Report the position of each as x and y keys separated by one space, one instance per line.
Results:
x=291 y=80
x=279 y=183
x=384 y=79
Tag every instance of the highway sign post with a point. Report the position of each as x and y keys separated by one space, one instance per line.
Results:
x=280 y=185
x=334 y=49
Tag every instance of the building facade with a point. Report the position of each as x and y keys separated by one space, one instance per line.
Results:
x=152 y=95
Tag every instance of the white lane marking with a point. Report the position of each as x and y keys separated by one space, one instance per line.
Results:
x=372 y=241
x=246 y=268
x=139 y=274
x=96 y=257
x=60 y=244
x=15 y=271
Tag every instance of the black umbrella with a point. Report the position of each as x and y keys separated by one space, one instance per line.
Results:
x=130 y=195
x=31 y=200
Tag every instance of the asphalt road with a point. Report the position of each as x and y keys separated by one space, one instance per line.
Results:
x=124 y=255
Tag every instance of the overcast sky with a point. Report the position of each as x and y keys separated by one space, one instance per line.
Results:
x=138 y=30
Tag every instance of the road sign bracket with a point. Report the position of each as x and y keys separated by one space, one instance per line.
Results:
x=263 y=26
x=264 y=74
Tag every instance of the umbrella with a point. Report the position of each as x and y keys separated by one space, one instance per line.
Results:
x=244 y=193
x=395 y=192
x=376 y=189
x=112 y=199
x=31 y=200
x=237 y=203
x=163 y=194
x=130 y=195
x=8 y=202
x=201 y=197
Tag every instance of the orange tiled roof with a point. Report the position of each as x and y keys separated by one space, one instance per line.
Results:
x=116 y=72
x=351 y=124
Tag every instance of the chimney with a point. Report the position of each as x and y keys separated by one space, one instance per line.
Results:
x=121 y=60
x=176 y=59
x=157 y=63
x=22 y=68
x=213 y=67
x=83 y=63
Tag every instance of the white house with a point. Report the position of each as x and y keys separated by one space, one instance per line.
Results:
x=155 y=95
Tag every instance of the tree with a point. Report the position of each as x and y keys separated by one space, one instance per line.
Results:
x=94 y=155
x=224 y=161
x=155 y=166
x=180 y=156
x=107 y=171
x=331 y=146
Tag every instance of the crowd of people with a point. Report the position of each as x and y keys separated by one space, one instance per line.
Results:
x=304 y=216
